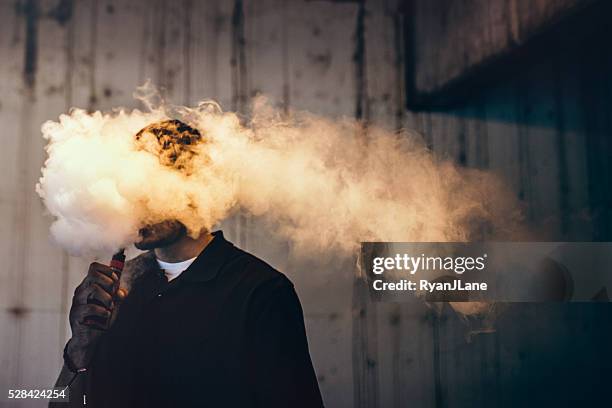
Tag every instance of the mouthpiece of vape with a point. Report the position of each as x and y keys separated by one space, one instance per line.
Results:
x=118 y=261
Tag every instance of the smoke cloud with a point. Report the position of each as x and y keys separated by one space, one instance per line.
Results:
x=323 y=184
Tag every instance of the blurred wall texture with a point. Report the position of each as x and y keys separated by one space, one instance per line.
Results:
x=543 y=125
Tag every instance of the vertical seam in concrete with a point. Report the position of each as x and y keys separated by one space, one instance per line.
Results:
x=69 y=50
x=462 y=140
x=438 y=395
x=395 y=17
x=398 y=42
x=285 y=55
x=562 y=167
x=159 y=28
x=93 y=48
x=595 y=148
x=146 y=34
x=513 y=13
x=482 y=137
x=497 y=366
x=22 y=206
x=238 y=62
x=213 y=61
x=361 y=342
x=396 y=357
x=188 y=11
x=525 y=182
x=239 y=92
x=17 y=24
x=429 y=131
x=359 y=58
x=31 y=43
x=409 y=45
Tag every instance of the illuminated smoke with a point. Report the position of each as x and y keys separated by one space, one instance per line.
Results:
x=318 y=182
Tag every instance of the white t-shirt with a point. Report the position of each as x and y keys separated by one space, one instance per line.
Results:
x=173 y=269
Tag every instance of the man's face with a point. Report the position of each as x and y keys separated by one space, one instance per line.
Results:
x=172 y=141
x=160 y=235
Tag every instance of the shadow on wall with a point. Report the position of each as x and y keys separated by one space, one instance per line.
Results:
x=549 y=120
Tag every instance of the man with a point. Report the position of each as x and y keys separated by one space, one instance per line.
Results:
x=204 y=323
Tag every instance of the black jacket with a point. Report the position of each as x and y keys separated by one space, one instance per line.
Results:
x=228 y=332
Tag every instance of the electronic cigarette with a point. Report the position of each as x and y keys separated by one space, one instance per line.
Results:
x=118 y=261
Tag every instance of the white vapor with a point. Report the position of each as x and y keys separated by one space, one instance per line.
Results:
x=323 y=184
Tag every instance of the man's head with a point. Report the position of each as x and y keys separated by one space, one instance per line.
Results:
x=173 y=142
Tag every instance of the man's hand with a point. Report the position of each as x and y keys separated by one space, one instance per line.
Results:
x=93 y=304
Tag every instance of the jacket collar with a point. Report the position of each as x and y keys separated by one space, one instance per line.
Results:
x=210 y=261
x=205 y=267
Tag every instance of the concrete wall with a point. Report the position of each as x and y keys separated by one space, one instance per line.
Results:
x=454 y=38
x=332 y=58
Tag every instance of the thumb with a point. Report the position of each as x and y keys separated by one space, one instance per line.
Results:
x=120 y=295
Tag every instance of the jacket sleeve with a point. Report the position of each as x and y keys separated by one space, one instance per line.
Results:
x=76 y=390
x=281 y=371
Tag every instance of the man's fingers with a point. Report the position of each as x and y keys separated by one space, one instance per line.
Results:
x=95 y=311
x=102 y=275
x=99 y=295
x=103 y=281
x=89 y=311
x=96 y=297
x=95 y=323
x=104 y=270
x=92 y=284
